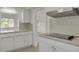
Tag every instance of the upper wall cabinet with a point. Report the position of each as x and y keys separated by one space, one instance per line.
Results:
x=25 y=16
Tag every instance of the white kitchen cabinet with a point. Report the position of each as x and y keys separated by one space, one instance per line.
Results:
x=51 y=48
x=25 y=16
x=28 y=40
x=23 y=40
x=13 y=41
x=19 y=41
x=44 y=45
x=6 y=44
x=49 y=45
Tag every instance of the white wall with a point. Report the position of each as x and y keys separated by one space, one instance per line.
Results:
x=34 y=29
x=65 y=25
x=41 y=20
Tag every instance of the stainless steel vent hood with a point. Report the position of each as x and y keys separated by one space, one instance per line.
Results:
x=73 y=12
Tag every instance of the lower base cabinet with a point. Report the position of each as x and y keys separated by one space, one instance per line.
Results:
x=49 y=48
x=47 y=45
x=19 y=41
x=23 y=41
x=28 y=40
x=44 y=48
x=6 y=44
x=13 y=42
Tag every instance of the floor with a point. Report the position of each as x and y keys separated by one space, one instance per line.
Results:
x=27 y=49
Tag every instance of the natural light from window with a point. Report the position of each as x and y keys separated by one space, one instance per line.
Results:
x=6 y=23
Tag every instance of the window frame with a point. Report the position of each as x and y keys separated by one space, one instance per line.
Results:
x=15 y=17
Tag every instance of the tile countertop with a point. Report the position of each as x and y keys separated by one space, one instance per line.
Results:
x=74 y=42
x=8 y=32
x=14 y=33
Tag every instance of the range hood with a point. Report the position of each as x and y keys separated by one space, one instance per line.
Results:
x=73 y=12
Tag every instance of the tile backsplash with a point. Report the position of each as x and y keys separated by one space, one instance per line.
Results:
x=25 y=27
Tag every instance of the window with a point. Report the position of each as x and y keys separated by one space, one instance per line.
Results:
x=6 y=23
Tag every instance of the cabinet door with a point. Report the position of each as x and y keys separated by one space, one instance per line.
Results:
x=44 y=45
x=47 y=45
x=6 y=44
x=19 y=41
x=28 y=40
x=26 y=15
